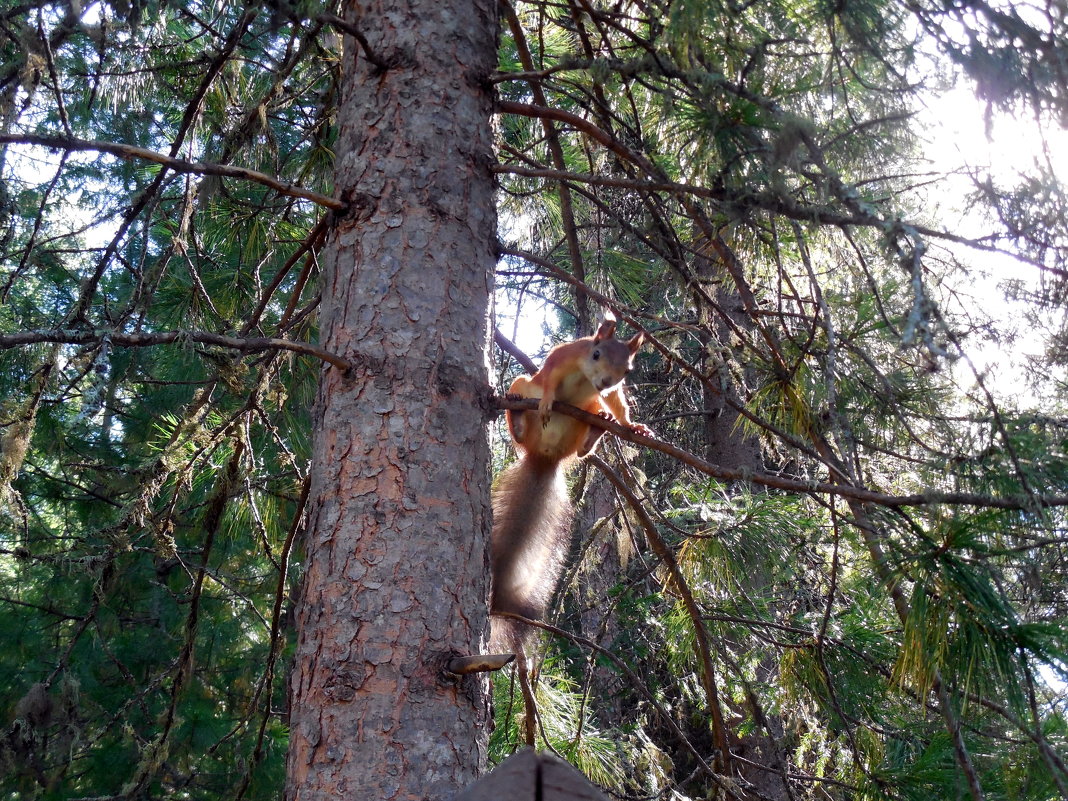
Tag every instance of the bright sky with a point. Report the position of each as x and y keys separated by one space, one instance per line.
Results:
x=957 y=144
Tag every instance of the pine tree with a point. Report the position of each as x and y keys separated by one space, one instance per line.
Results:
x=395 y=580
x=838 y=571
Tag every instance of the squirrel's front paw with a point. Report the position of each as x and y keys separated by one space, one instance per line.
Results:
x=545 y=410
x=644 y=430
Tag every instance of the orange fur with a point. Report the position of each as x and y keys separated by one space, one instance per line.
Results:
x=531 y=510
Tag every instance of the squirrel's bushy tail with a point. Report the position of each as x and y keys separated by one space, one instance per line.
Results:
x=531 y=525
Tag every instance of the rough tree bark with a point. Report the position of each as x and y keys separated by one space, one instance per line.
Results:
x=398 y=518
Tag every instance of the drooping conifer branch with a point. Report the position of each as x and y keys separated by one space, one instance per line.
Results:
x=141 y=340
x=134 y=153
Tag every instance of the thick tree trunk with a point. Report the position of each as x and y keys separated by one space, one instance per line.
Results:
x=398 y=518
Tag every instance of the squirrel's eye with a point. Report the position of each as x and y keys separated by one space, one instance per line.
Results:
x=596 y=355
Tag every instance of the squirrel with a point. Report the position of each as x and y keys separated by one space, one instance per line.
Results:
x=531 y=508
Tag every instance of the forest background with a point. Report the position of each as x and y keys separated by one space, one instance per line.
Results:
x=838 y=572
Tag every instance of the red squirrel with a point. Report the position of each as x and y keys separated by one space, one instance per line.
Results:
x=531 y=508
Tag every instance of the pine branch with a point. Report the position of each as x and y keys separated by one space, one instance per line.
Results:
x=738 y=200
x=849 y=491
x=141 y=340
x=133 y=153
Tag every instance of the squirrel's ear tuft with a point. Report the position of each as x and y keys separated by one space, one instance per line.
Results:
x=635 y=342
x=607 y=329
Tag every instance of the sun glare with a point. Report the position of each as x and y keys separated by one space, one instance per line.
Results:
x=966 y=143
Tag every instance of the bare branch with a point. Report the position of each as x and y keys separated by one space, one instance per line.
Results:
x=357 y=34
x=509 y=347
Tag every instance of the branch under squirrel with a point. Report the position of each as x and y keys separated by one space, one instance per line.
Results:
x=791 y=484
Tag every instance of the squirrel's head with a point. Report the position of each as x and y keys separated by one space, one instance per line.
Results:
x=610 y=359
